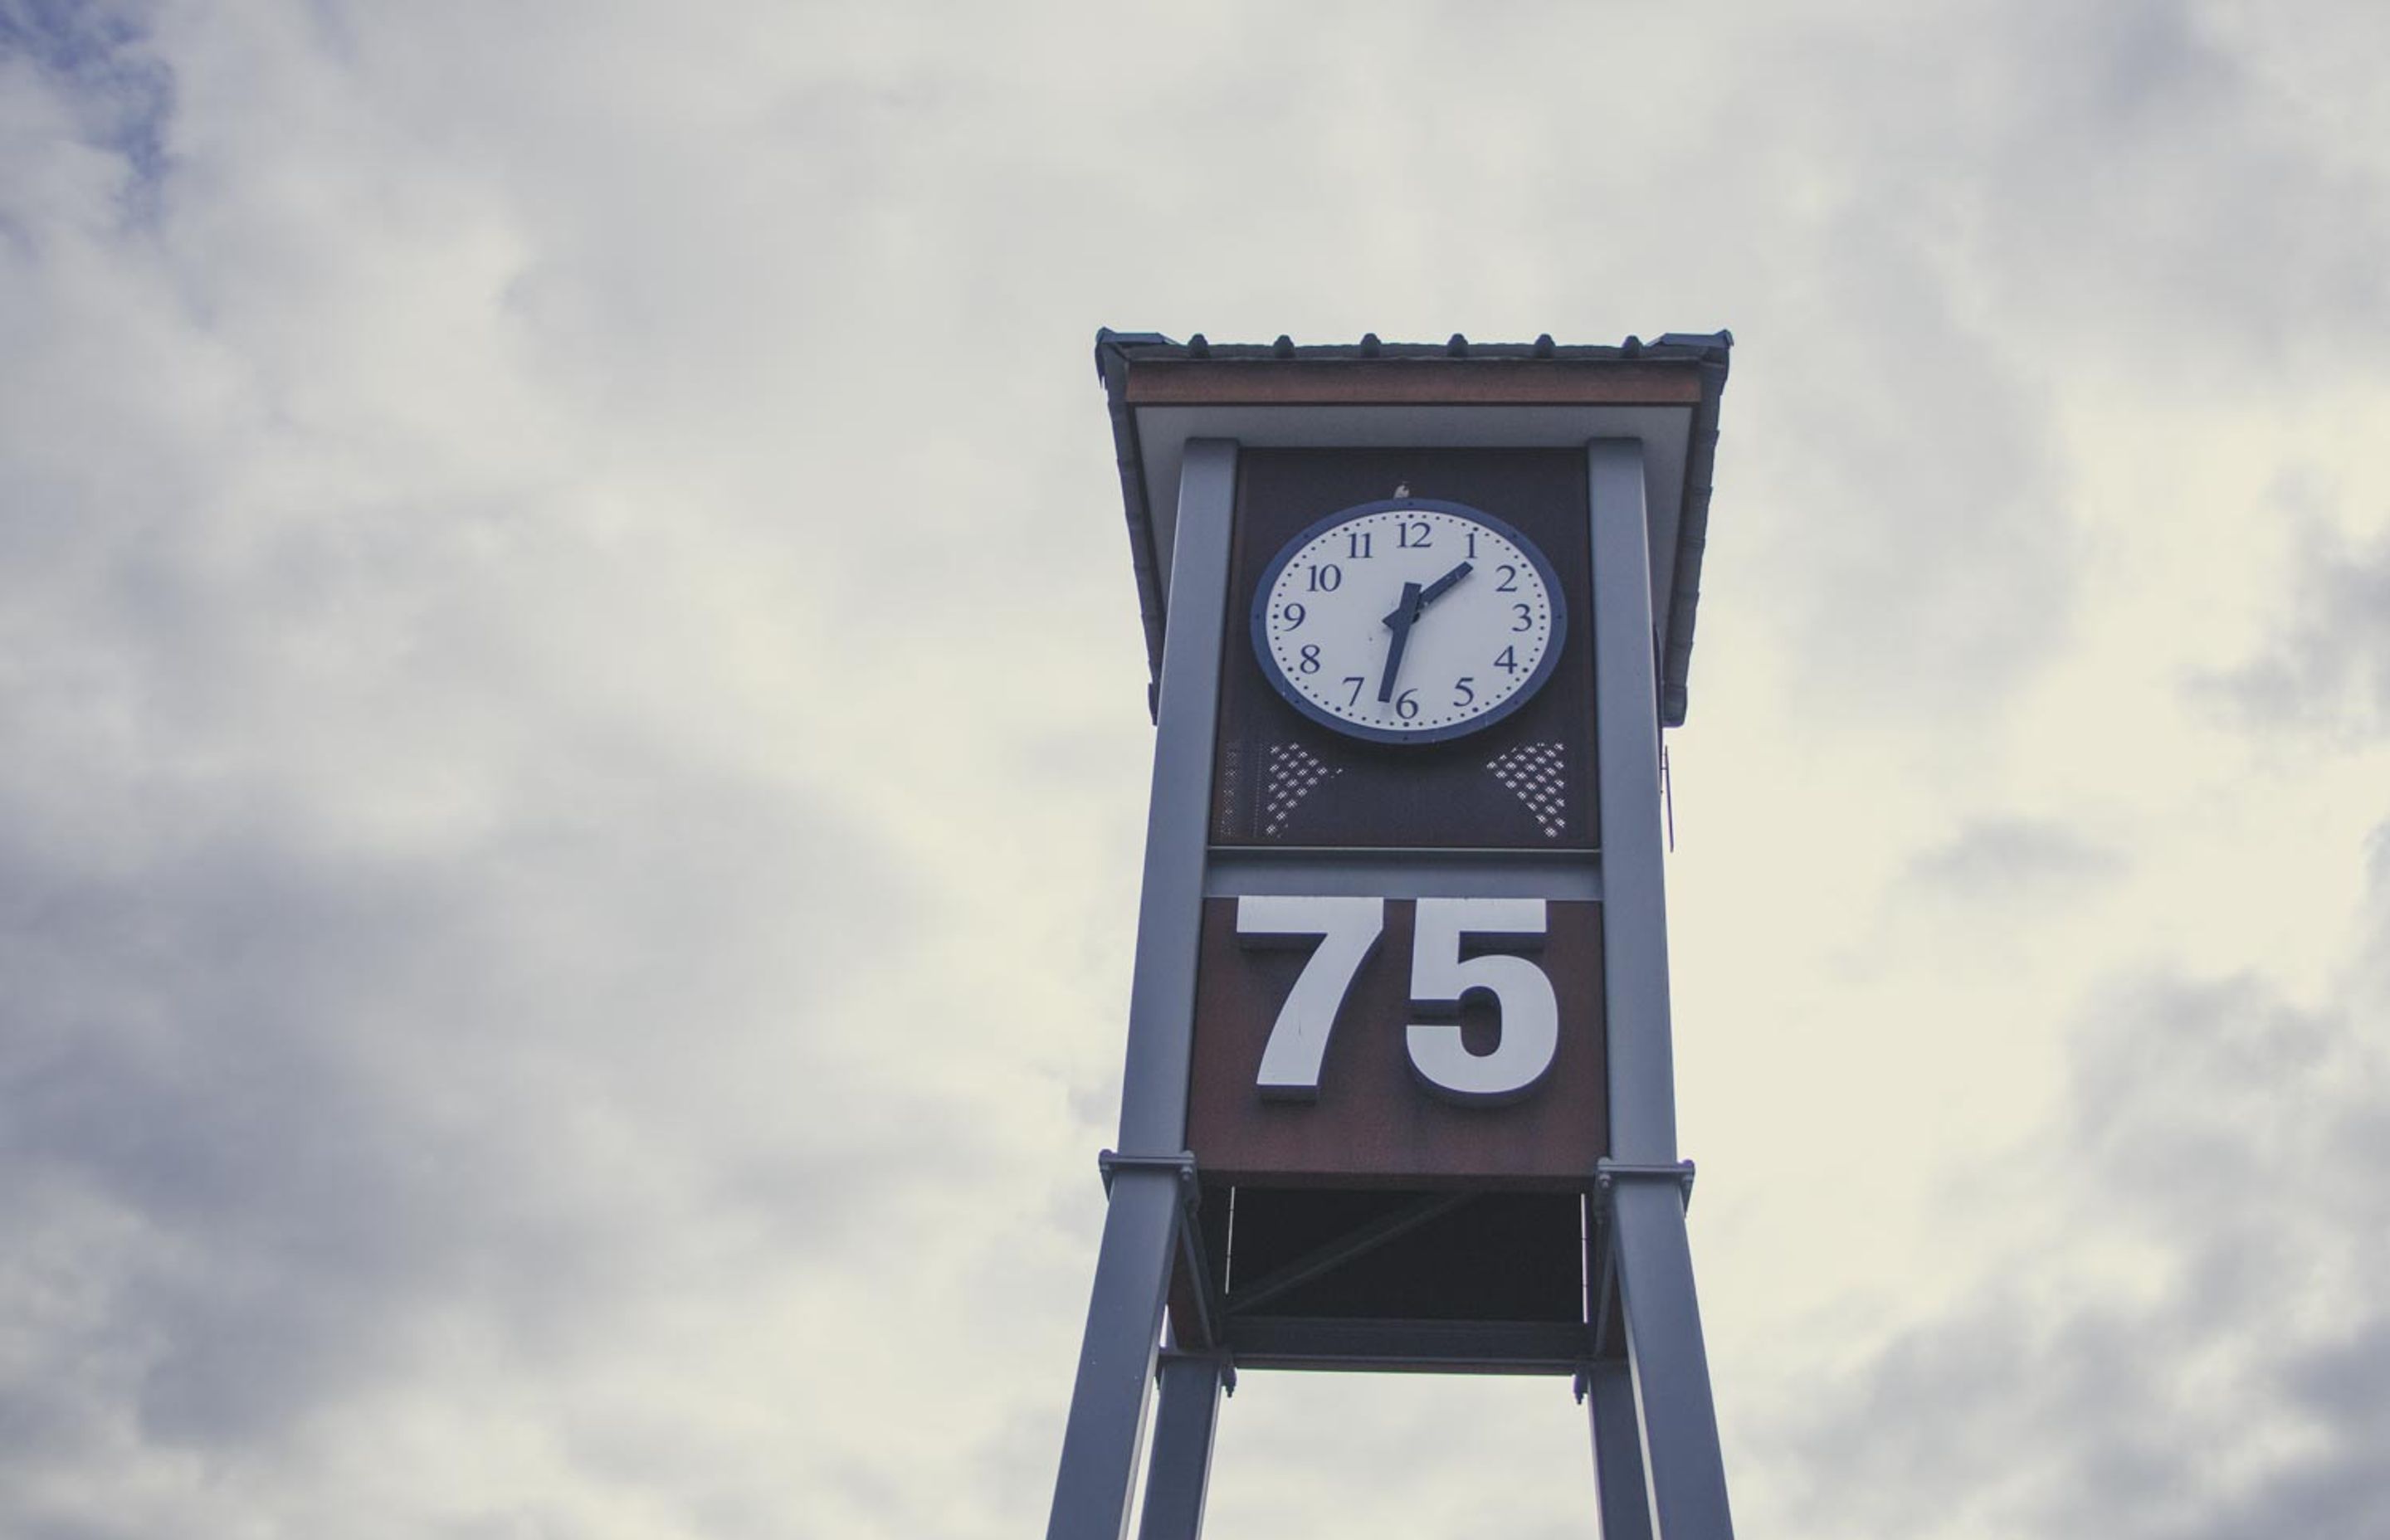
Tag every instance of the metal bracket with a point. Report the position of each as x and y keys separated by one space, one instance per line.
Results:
x=1221 y=1357
x=1608 y=1173
x=1191 y=1234
x=1107 y=1161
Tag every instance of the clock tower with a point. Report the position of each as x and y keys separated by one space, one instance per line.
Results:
x=1398 y=1092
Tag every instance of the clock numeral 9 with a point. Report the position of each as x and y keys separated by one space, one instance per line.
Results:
x=1349 y=930
x=1292 y=614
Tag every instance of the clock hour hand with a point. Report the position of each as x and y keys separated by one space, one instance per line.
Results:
x=1442 y=585
x=1405 y=615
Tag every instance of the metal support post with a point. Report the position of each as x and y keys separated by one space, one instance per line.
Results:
x=1170 y=909
x=1102 y=1440
x=1618 y=1452
x=1683 y=1470
x=1643 y=1189
x=1179 y=1470
x=1626 y=712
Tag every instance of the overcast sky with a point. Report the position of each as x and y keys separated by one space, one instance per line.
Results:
x=572 y=742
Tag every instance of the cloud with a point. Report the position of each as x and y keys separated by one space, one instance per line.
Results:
x=2181 y=1333
x=2325 y=670
x=575 y=723
x=119 y=91
x=2009 y=858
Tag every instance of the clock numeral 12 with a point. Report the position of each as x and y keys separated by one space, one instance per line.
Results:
x=1348 y=932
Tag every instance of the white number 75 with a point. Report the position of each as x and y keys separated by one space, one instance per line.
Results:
x=1349 y=930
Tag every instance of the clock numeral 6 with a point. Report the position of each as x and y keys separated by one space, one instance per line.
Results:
x=1348 y=932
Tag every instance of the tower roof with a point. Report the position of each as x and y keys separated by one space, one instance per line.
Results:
x=1541 y=394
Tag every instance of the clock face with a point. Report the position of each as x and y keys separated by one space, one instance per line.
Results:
x=1408 y=622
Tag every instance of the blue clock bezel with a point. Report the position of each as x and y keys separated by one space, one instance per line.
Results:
x=1259 y=629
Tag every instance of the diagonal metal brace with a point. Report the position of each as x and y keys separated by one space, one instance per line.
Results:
x=1344 y=1249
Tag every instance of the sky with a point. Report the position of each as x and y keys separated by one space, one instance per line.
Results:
x=575 y=742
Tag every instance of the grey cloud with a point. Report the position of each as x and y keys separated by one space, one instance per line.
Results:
x=2125 y=172
x=2237 y=1141
x=2325 y=669
x=2043 y=198
x=2004 y=858
x=269 y=1110
x=396 y=954
x=120 y=89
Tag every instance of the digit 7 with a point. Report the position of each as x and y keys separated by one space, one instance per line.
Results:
x=1349 y=930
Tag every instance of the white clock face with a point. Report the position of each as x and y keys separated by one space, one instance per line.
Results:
x=1408 y=623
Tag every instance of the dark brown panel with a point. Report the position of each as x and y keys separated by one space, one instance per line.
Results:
x=1523 y=783
x=1412 y=382
x=1373 y=1121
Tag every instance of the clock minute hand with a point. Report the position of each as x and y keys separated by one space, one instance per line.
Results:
x=1405 y=615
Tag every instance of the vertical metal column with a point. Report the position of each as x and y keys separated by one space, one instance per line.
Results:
x=1618 y=1453
x=1107 y=1400
x=1179 y=1472
x=1684 y=1473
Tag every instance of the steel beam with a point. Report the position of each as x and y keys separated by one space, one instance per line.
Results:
x=1634 y=910
x=1102 y=1438
x=1180 y=1469
x=1170 y=913
x=1642 y=1185
x=1683 y=1469
x=1617 y=1451
x=1101 y=1441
